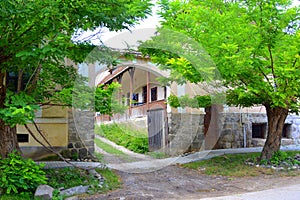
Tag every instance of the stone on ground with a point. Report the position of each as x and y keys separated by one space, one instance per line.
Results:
x=44 y=192
x=75 y=190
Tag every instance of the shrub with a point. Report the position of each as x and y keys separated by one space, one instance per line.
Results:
x=18 y=175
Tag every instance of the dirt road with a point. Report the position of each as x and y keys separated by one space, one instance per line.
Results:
x=174 y=182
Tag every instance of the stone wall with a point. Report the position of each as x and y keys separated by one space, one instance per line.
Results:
x=185 y=133
x=234 y=130
x=81 y=134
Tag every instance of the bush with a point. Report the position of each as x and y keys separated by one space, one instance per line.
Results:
x=18 y=175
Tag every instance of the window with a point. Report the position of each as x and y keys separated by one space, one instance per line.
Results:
x=286 y=132
x=135 y=98
x=259 y=130
x=12 y=80
x=22 y=138
x=144 y=94
x=154 y=94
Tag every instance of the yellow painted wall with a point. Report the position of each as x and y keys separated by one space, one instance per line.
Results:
x=53 y=122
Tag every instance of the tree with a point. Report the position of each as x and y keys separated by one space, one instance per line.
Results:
x=107 y=101
x=255 y=46
x=35 y=39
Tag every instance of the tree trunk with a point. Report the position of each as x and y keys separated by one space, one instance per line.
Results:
x=8 y=134
x=276 y=119
x=8 y=139
x=211 y=126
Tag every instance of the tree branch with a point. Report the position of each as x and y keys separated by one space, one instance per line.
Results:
x=50 y=148
x=272 y=65
x=20 y=78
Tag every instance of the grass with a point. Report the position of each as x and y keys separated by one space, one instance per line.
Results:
x=233 y=165
x=125 y=135
x=157 y=154
x=108 y=148
x=112 y=181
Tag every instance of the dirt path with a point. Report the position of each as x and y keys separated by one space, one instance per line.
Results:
x=174 y=182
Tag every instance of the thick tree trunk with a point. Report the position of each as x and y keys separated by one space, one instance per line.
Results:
x=8 y=134
x=276 y=119
x=8 y=139
x=211 y=126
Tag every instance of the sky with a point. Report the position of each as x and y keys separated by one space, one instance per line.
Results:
x=141 y=32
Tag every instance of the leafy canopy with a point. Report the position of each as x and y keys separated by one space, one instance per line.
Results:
x=36 y=39
x=107 y=101
x=254 y=45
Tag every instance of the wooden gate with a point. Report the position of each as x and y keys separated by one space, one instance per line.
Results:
x=156 y=128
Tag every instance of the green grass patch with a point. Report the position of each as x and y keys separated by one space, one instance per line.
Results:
x=234 y=165
x=112 y=180
x=229 y=165
x=125 y=135
x=108 y=148
x=157 y=154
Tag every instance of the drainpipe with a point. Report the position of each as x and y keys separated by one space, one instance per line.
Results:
x=245 y=135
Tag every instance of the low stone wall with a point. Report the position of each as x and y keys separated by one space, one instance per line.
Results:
x=81 y=134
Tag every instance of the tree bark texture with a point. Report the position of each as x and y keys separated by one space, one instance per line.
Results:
x=8 y=134
x=211 y=126
x=276 y=119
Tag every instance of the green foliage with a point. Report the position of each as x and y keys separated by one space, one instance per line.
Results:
x=19 y=109
x=228 y=165
x=110 y=149
x=278 y=157
x=107 y=101
x=37 y=37
x=127 y=136
x=256 y=52
x=69 y=177
x=251 y=47
x=20 y=175
x=22 y=196
x=111 y=180
x=186 y=101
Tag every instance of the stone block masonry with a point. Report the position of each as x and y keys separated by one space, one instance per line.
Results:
x=81 y=134
x=185 y=133
x=234 y=130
